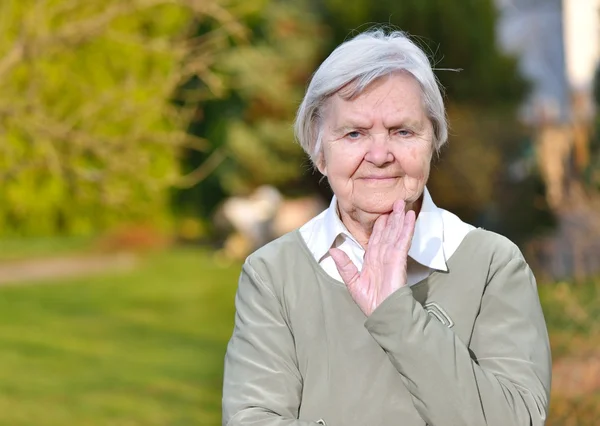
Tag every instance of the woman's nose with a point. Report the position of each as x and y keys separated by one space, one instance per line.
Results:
x=378 y=151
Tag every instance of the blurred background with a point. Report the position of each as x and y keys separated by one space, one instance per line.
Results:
x=146 y=148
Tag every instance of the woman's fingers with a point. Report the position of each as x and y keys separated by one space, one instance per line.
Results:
x=378 y=230
x=395 y=222
x=407 y=232
x=348 y=271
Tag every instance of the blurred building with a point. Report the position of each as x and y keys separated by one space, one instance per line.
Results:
x=557 y=46
x=557 y=43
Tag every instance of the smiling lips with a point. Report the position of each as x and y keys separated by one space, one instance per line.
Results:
x=379 y=179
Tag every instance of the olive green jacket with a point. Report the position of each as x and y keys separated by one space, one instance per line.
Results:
x=463 y=347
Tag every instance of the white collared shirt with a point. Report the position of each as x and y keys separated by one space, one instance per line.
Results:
x=438 y=233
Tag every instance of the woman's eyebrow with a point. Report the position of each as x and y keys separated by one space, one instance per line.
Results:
x=406 y=122
x=351 y=125
x=342 y=130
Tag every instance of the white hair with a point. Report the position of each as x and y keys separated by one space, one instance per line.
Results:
x=362 y=60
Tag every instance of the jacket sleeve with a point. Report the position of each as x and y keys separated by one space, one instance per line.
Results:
x=501 y=379
x=262 y=385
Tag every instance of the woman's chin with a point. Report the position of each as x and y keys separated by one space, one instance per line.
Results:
x=378 y=207
x=377 y=204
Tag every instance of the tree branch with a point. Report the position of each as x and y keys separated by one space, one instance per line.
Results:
x=203 y=171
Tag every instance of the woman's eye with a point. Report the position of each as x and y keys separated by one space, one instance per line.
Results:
x=403 y=132
x=353 y=135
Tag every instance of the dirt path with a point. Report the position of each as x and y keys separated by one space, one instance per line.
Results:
x=40 y=270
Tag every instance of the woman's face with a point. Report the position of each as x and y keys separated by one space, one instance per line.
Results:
x=377 y=147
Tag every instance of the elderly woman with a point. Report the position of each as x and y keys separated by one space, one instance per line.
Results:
x=384 y=309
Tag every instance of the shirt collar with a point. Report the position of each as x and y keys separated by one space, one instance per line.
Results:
x=329 y=229
x=427 y=244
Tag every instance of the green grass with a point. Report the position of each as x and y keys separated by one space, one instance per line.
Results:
x=144 y=348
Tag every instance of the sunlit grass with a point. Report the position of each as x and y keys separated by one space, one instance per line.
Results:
x=144 y=348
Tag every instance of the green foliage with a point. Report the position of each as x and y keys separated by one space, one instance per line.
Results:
x=89 y=136
x=105 y=104
x=251 y=122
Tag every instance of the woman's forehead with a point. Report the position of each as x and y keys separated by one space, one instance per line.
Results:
x=393 y=99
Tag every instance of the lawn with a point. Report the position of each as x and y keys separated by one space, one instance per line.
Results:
x=146 y=347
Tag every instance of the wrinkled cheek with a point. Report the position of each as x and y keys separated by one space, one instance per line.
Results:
x=340 y=178
x=413 y=188
x=415 y=179
x=344 y=164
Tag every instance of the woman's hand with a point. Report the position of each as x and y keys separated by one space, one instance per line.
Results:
x=384 y=268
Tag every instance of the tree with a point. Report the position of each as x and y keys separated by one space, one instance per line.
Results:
x=249 y=126
x=89 y=134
